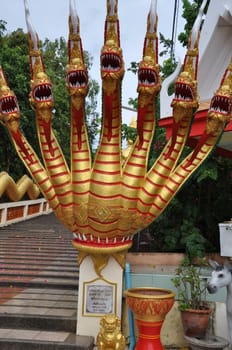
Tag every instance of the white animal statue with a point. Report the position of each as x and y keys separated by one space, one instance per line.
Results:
x=222 y=277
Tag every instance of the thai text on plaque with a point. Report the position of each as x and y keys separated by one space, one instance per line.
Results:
x=99 y=299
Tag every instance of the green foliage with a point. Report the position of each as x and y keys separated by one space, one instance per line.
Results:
x=190 y=222
x=166 y=70
x=191 y=286
x=208 y=171
x=190 y=11
x=192 y=240
x=134 y=66
x=128 y=133
x=133 y=102
x=14 y=59
x=167 y=44
x=2 y=27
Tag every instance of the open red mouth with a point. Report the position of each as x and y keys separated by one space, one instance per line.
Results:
x=110 y=62
x=183 y=92
x=77 y=78
x=220 y=104
x=9 y=105
x=43 y=93
x=147 y=77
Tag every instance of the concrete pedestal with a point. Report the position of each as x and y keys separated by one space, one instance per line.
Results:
x=98 y=295
x=211 y=342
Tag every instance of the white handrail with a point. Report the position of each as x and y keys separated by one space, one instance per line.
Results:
x=12 y=212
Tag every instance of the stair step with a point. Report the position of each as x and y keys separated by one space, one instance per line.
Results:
x=32 y=293
x=45 y=273
x=37 y=269
x=35 y=256
x=51 y=304
x=39 y=301
x=39 y=262
x=40 y=283
x=35 y=322
x=39 y=287
x=19 y=339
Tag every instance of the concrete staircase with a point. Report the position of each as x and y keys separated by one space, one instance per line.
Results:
x=39 y=287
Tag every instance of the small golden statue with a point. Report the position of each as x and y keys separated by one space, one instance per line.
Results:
x=110 y=336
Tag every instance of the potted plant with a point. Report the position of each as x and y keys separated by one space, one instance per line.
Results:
x=191 y=294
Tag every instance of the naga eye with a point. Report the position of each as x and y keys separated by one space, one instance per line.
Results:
x=220 y=275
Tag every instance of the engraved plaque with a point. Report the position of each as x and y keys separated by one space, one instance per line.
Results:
x=99 y=299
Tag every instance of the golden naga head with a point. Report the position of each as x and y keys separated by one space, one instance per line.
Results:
x=76 y=70
x=220 y=111
x=112 y=65
x=9 y=109
x=148 y=77
x=41 y=91
x=77 y=78
x=148 y=74
x=186 y=84
x=185 y=92
x=41 y=97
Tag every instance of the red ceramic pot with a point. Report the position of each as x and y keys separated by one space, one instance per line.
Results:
x=195 y=322
x=149 y=306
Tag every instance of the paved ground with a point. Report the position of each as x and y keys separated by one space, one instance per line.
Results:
x=38 y=287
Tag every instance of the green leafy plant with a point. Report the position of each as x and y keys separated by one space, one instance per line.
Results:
x=191 y=286
x=192 y=239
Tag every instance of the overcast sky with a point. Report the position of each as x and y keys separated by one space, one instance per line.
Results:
x=50 y=19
